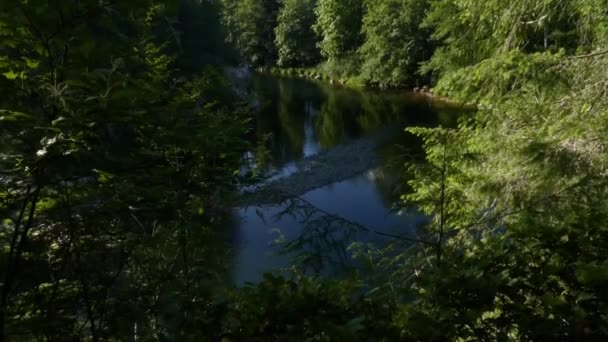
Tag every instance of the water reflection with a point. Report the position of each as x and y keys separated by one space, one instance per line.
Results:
x=316 y=229
x=296 y=119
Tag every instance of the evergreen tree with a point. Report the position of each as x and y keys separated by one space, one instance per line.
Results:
x=338 y=26
x=295 y=39
x=110 y=165
x=395 y=44
x=251 y=25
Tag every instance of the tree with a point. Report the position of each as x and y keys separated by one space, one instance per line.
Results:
x=472 y=32
x=250 y=25
x=516 y=192
x=202 y=38
x=338 y=26
x=113 y=172
x=525 y=221
x=295 y=38
x=111 y=168
x=395 y=44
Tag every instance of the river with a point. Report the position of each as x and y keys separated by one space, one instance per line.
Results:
x=299 y=123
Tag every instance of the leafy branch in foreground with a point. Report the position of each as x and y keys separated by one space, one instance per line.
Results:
x=112 y=166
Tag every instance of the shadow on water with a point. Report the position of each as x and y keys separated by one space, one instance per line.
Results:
x=298 y=120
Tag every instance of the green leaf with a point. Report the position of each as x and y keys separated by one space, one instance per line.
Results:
x=11 y=75
x=103 y=176
x=9 y=115
x=31 y=63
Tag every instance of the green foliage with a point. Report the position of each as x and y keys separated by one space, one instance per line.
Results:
x=371 y=51
x=345 y=70
x=304 y=309
x=201 y=35
x=504 y=75
x=114 y=171
x=295 y=39
x=516 y=192
x=110 y=166
x=250 y=26
x=473 y=31
x=338 y=26
x=394 y=42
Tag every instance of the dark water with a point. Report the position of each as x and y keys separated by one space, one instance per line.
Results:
x=296 y=119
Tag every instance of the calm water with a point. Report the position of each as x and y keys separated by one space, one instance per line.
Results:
x=295 y=119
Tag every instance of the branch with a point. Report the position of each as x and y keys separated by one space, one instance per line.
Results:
x=591 y=55
x=362 y=227
x=11 y=264
x=511 y=213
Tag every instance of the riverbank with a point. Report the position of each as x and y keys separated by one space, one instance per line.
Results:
x=334 y=165
x=316 y=74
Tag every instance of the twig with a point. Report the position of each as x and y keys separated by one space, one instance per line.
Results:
x=511 y=213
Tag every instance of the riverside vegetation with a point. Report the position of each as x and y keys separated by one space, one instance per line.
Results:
x=121 y=141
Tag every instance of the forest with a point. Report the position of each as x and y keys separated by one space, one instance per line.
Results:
x=123 y=131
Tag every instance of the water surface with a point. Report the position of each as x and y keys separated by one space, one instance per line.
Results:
x=295 y=119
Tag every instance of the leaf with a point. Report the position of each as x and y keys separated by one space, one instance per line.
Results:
x=584 y=297
x=9 y=115
x=103 y=176
x=11 y=75
x=31 y=63
x=58 y=120
x=48 y=141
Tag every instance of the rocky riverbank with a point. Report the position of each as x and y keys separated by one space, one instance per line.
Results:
x=335 y=165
